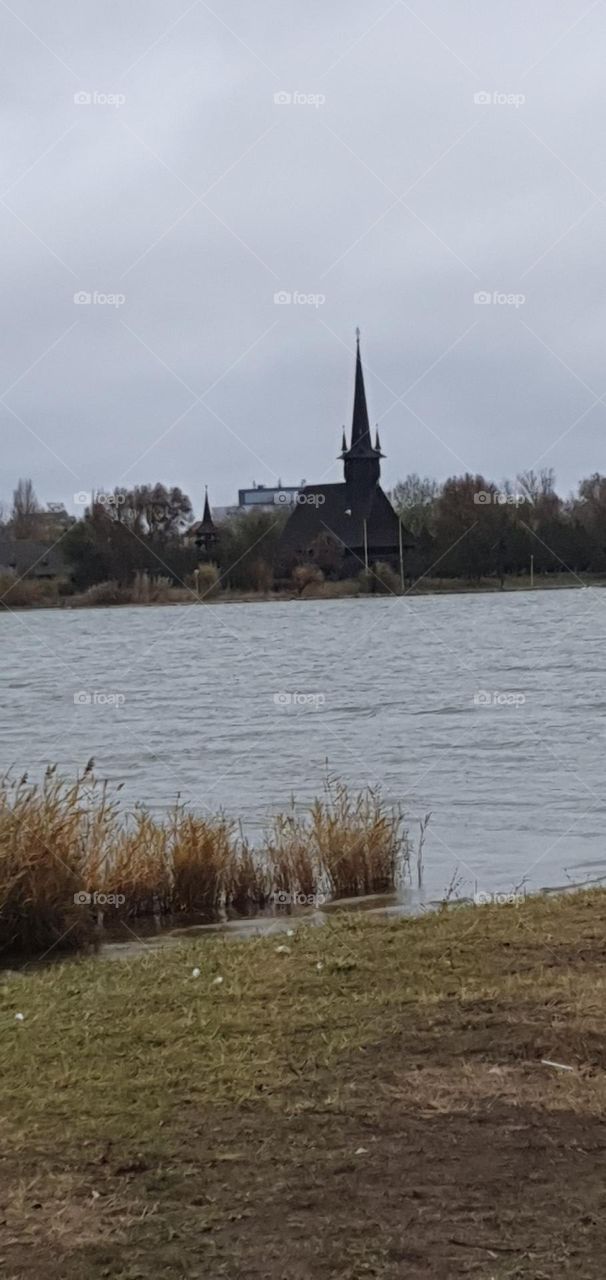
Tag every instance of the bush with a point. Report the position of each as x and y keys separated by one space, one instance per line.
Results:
x=306 y=575
x=104 y=593
x=387 y=582
x=20 y=593
x=206 y=581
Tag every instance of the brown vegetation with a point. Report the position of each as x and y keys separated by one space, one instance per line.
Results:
x=72 y=859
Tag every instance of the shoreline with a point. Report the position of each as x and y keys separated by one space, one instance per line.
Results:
x=440 y=587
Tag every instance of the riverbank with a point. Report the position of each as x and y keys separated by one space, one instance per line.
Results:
x=365 y=1099
x=170 y=597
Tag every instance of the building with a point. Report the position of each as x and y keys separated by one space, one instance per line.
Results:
x=24 y=557
x=265 y=497
x=346 y=527
x=204 y=533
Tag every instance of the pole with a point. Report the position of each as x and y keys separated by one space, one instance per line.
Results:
x=365 y=547
x=532 y=572
x=401 y=557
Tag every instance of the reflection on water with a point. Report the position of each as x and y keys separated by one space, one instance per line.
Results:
x=487 y=710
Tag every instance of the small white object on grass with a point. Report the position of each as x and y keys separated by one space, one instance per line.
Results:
x=195 y=973
x=559 y=1066
x=216 y=982
x=19 y=1017
x=319 y=966
x=362 y=1151
x=290 y=933
x=282 y=951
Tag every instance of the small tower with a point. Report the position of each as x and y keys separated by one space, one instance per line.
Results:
x=361 y=461
x=207 y=536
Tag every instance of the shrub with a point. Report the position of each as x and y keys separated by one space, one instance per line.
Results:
x=206 y=581
x=19 y=593
x=386 y=581
x=104 y=593
x=306 y=575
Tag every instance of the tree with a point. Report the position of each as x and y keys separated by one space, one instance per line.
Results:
x=415 y=500
x=25 y=509
x=149 y=510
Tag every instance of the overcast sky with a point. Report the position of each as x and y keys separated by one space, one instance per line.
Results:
x=382 y=190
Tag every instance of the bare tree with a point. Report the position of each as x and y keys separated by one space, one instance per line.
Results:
x=25 y=508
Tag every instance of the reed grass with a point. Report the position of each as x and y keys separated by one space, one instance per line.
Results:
x=72 y=860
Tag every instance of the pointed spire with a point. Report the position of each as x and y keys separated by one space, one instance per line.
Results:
x=377 y=442
x=360 y=429
x=207 y=518
x=343 y=444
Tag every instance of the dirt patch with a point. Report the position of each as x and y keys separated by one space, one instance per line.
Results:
x=387 y=1170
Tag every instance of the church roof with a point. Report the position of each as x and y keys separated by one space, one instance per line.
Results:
x=323 y=508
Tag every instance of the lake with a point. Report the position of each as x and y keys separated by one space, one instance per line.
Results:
x=487 y=710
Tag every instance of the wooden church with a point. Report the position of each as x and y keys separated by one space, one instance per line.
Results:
x=352 y=525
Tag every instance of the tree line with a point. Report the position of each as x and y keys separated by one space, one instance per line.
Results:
x=466 y=527
x=470 y=528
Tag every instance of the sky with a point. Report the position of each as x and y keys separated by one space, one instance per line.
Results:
x=200 y=202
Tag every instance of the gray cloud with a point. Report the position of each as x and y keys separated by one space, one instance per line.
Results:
x=397 y=198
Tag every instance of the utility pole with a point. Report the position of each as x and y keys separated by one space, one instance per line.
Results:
x=401 y=558
x=365 y=547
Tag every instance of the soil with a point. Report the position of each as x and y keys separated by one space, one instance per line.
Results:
x=446 y=1151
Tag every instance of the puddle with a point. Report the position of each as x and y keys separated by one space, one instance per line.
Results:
x=126 y=940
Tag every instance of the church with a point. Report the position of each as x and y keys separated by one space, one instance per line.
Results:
x=346 y=528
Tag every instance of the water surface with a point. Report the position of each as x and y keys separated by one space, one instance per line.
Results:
x=487 y=710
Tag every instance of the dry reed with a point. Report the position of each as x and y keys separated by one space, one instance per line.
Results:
x=71 y=859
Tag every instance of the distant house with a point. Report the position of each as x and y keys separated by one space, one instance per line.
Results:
x=26 y=558
x=354 y=520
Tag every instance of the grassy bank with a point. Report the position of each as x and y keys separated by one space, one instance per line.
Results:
x=27 y=594
x=369 y=1101
x=73 y=860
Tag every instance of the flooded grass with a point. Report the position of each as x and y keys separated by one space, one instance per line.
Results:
x=72 y=860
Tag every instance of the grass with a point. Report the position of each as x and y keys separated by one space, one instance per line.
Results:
x=71 y=858
x=148 y=1110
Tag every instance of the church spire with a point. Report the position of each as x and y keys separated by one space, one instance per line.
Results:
x=360 y=427
x=207 y=519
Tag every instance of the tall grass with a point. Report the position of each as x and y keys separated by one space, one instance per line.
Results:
x=72 y=859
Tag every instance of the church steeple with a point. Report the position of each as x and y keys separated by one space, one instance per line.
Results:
x=361 y=461
x=207 y=519
x=206 y=532
x=360 y=427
